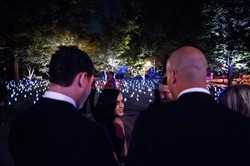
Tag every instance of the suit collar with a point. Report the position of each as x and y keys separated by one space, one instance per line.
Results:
x=59 y=104
x=196 y=96
x=189 y=90
x=59 y=96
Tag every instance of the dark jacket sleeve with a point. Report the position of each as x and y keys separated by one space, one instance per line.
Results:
x=17 y=142
x=3 y=92
x=105 y=155
x=136 y=153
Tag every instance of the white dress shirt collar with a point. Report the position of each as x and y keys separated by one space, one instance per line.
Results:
x=59 y=96
x=203 y=90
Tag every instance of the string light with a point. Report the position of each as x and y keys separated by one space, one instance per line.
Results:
x=34 y=90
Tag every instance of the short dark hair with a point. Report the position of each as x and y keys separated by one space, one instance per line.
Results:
x=105 y=106
x=66 y=63
x=112 y=73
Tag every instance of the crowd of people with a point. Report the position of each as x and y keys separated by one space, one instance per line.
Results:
x=183 y=126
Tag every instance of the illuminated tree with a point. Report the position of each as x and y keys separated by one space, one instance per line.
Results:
x=164 y=26
x=228 y=34
x=115 y=37
x=34 y=29
x=37 y=54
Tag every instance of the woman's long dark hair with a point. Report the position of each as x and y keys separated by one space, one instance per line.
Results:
x=104 y=110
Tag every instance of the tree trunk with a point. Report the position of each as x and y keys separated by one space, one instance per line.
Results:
x=31 y=73
x=16 y=70
x=230 y=65
x=230 y=76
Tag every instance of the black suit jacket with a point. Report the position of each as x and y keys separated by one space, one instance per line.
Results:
x=194 y=130
x=52 y=133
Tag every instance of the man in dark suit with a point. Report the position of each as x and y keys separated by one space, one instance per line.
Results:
x=52 y=132
x=194 y=129
x=90 y=100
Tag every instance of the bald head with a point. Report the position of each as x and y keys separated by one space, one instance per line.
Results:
x=189 y=66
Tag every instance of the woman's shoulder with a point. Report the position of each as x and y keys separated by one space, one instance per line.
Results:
x=119 y=127
x=118 y=121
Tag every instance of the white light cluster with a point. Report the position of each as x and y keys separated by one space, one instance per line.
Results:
x=136 y=89
x=132 y=88
x=26 y=89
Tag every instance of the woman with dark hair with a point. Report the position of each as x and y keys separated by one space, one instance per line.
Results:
x=108 y=110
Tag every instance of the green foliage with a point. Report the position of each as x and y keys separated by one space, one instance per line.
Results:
x=114 y=44
x=130 y=32
x=38 y=53
x=164 y=26
x=228 y=33
x=35 y=28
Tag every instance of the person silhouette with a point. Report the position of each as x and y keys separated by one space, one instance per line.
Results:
x=193 y=129
x=52 y=132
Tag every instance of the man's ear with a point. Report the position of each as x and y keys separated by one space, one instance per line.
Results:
x=82 y=79
x=173 y=74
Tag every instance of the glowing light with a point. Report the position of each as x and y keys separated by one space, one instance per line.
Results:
x=35 y=89
x=148 y=64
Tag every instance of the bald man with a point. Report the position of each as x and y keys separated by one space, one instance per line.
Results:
x=193 y=129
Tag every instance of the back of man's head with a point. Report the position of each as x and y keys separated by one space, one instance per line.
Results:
x=110 y=74
x=66 y=63
x=186 y=68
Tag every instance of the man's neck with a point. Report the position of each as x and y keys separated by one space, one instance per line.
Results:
x=59 y=96
x=67 y=91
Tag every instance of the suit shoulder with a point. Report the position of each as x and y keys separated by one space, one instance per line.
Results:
x=230 y=114
x=92 y=126
x=25 y=115
x=168 y=108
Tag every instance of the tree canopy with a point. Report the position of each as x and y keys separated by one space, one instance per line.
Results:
x=127 y=32
x=228 y=34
